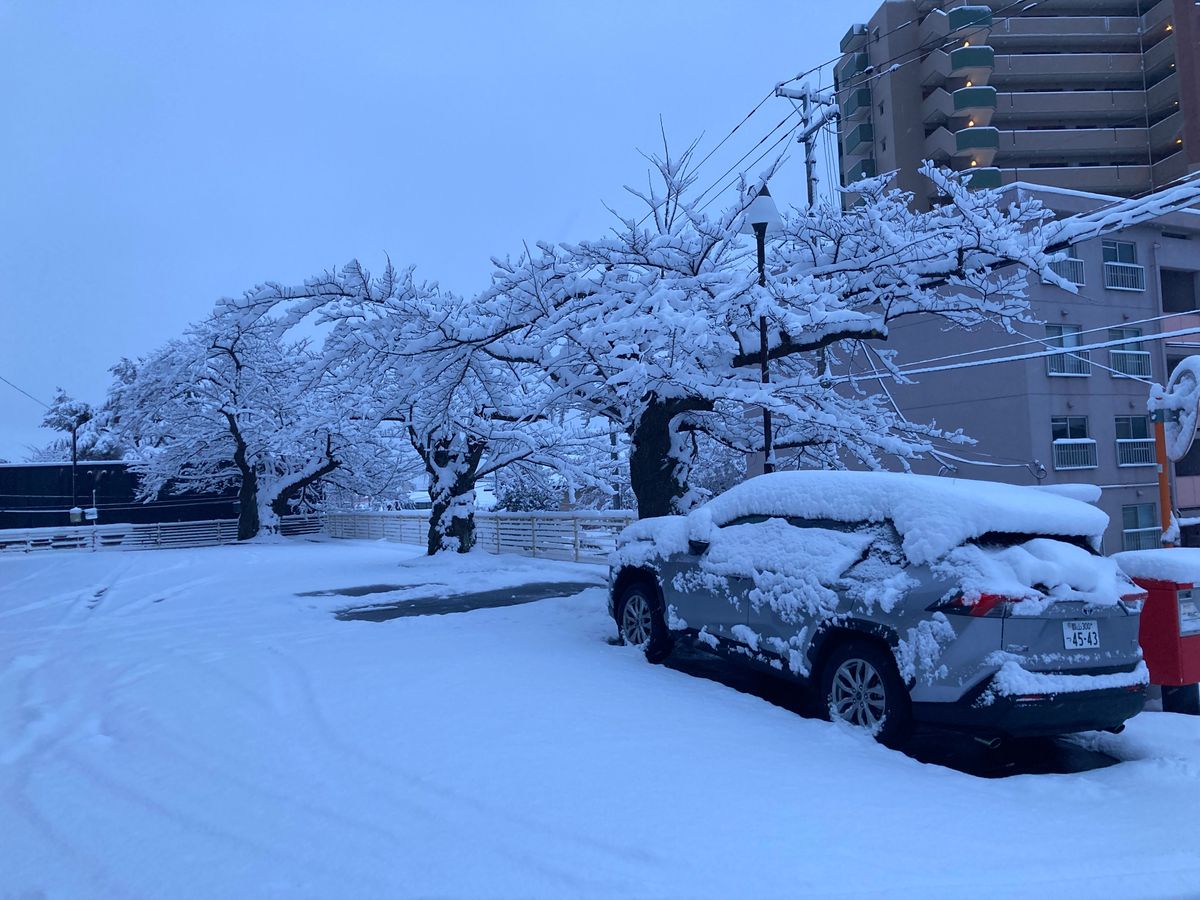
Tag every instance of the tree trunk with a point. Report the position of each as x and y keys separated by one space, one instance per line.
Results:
x=453 y=467
x=248 y=521
x=661 y=458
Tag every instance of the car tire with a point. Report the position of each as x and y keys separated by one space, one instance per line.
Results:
x=860 y=684
x=641 y=621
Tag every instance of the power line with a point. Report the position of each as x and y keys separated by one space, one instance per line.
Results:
x=25 y=392
x=1032 y=340
x=1058 y=351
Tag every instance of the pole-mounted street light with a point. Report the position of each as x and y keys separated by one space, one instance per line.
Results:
x=763 y=219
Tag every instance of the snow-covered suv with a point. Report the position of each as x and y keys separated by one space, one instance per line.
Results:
x=902 y=598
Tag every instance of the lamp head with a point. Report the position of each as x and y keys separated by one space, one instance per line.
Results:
x=762 y=210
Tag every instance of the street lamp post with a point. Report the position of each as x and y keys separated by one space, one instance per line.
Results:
x=762 y=219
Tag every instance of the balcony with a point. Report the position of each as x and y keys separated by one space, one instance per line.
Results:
x=857 y=102
x=854 y=39
x=1124 y=276
x=1141 y=538
x=1121 y=181
x=855 y=64
x=1074 y=453
x=968 y=101
x=982 y=178
x=964 y=23
x=1093 y=107
x=1064 y=32
x=860 y=136
x=865 y=169
x=1069 y=269
x=1084 y=144
x=1129 y=363
x=968 y=139
x=1110 y=70
x=1070 y=365
x=963 y=59
x=972 y=64
x=1135 y=452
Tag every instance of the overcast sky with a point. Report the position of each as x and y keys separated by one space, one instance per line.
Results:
x=160 y=155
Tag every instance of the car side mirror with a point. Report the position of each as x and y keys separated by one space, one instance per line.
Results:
x=697 y=548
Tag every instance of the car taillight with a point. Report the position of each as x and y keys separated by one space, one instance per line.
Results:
x=986 y=605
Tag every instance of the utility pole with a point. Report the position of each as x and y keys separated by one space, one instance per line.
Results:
x=816 y=111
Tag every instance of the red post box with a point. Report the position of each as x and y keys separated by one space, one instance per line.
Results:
x=1170 y=624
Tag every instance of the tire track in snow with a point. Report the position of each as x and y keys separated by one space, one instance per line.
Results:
x=458 y=824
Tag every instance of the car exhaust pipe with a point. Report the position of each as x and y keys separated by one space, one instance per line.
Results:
x=992 y=743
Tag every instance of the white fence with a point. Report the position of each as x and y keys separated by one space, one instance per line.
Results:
x=207 y=533
x=581 y=535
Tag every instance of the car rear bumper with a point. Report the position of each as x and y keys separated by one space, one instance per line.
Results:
x=1035 y=715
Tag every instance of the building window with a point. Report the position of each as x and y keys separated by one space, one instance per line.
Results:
x=1073 y=449
x=1071 y=364
x=1121 y=271
x=1120 y=252
x=1139 y=527
x=1135 y=446
x=1130 y=360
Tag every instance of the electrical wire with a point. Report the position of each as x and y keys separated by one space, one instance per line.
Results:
x=25 y=392
x=1033 y=340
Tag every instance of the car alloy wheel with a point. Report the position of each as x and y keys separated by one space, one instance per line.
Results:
x=857 y=694
x=637 y=620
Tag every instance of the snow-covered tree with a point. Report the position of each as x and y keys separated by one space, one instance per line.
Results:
x=662 y=326
x=230 y=403
x=467 y=414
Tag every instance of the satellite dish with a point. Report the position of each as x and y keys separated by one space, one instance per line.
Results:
x=1181 y=398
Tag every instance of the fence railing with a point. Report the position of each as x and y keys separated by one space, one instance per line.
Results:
x=1077 y=363
x=1132 y=363
x=207 y=533
x=1135 y=452
x=1069 y=269
x=580 y=535
x=1141 y=538
x=1124 y=276
x=1074 y=453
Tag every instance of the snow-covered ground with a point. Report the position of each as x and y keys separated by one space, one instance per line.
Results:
x=182 y=723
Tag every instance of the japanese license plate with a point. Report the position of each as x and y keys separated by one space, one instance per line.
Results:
x=1081 y=634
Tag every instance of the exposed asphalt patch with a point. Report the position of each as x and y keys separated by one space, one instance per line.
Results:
x=460 y=603
x=361 y=590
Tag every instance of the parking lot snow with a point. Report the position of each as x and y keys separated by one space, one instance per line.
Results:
x=183 y=723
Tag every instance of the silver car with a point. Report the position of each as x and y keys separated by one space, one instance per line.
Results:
x=903 y=599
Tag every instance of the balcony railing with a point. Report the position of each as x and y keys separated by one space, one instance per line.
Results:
x=1135 y=452
x=1069 y=270
x=1130 y=363
x=1124 y=276
x=1141 y=538
x=1074 y=453
x=1077 y=364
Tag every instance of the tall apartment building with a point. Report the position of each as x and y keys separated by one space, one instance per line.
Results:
x=1073 y=419
x=1093 y=95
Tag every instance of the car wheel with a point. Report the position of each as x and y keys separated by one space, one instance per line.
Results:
x=641 y=622
x=861 y=685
